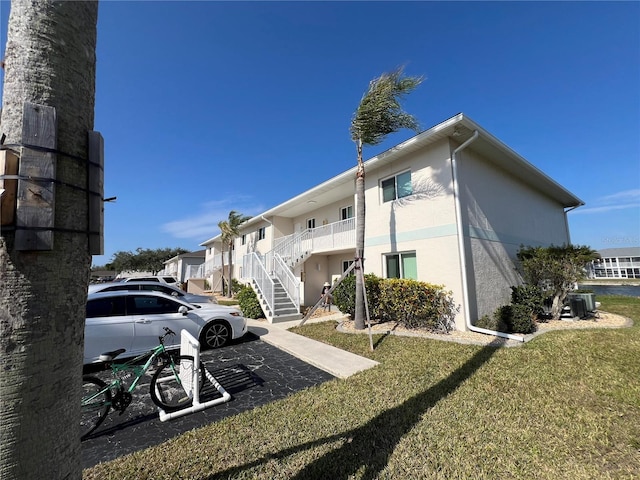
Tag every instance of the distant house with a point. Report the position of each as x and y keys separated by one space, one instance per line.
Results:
x=616 y=263
x=185 y=265
x=450 y=206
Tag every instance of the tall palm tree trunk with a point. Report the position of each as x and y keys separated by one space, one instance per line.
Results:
x=360 y=219
x=229 y=289
x=50 y=60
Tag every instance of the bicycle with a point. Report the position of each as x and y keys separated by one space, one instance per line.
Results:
x=167 y=390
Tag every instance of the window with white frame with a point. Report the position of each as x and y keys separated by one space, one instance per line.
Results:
x=244 y=239
x=346 y=212
x=261 y=233
x=401 y=265
x=396 y=187
x=311 y=223
x=345 y=266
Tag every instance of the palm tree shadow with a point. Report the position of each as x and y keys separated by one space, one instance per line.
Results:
x=370 y=446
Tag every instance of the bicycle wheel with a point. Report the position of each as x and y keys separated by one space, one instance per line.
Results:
x=171 y=385
x=96 y=401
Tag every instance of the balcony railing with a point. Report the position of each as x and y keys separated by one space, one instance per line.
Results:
x=328 y=237
x=215 y=263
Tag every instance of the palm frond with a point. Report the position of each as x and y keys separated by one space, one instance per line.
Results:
x=380 y=112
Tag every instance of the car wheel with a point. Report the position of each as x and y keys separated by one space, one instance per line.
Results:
x=215 y=335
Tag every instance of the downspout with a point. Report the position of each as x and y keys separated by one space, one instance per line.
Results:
x=566 y=220
x=461 y=249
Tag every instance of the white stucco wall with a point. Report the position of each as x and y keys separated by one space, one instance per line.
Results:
x=424 y=224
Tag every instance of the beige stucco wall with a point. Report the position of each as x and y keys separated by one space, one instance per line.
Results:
x=325 y=214
x=424 y=224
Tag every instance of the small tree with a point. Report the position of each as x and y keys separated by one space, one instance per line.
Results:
x=378 y=114
x=555 y=269
x=229 y=231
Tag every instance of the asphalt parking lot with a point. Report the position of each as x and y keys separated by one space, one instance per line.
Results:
x=252 y=371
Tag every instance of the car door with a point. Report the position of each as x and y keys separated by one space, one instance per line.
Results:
x=151 y=313
x=107 y=327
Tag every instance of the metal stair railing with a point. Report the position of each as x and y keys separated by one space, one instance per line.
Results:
x=287 y=279
x=294 y=248
x=253 y=268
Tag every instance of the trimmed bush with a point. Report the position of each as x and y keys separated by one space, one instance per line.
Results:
x=417 y=304
x=344 y=295
x=492 y=322
x=249 y=304
x=531 y=297
x=516 y=319
x=522 y=319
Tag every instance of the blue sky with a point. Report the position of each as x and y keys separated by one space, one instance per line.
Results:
x=207 y=107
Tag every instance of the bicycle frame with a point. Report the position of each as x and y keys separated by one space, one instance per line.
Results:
x=130 y=365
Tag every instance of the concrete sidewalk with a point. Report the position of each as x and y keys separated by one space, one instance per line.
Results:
x=337 y=362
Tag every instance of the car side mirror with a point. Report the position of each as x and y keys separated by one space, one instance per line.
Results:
x=183 y=310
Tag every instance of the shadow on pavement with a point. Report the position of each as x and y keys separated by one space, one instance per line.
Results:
x=253 y=372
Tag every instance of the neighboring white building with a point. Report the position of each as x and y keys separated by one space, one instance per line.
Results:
x=616 y=263
x=185 y=265
x=450 y=206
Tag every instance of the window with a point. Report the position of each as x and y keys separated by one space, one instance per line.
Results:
x=396 y=187
x=143 y=305
x=261 y=233
x=244 y=239
x=346 y=212
x=105 y=307
x=311 y=223
x=401 y=265
x=345 y=266
x=162 y=289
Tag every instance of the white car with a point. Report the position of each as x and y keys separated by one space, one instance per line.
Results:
x=134 y=320
x=168 y=279
x=152 y=286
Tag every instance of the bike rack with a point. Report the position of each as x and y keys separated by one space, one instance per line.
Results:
x=191 y=381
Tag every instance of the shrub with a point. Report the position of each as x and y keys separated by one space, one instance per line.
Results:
x=344 y=295
x=417 y=304
x=492 y=322
x=522 y=319
x=249 y=304
x=531 y=297
x=236 y=286
x=515 y=319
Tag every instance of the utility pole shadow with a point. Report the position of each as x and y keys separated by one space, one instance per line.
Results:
x=369 y=447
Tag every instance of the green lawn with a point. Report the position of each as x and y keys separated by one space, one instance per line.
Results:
x=563 y=406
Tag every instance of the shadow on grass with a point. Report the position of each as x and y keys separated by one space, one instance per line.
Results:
x=369 y=447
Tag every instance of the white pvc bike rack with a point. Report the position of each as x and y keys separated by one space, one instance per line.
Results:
x=191 y=381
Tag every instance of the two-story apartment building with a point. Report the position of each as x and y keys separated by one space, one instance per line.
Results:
x=450 y=206
x=616 y=263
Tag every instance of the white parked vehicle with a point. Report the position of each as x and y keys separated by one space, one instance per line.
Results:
x=168 y=279
x=134 y=320
x=153 y=287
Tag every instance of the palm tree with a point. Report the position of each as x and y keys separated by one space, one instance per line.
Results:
x=229 y=231
x=49 y=61
x=378 y=114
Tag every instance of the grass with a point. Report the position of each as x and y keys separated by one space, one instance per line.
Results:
x=565 y=405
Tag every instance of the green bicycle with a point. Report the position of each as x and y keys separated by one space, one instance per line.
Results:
x=166 y=389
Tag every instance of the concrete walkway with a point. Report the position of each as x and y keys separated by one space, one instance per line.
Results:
x=337 y=362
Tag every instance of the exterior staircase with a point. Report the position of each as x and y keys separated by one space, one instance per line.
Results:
x=271 y=275
x=284 y=309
